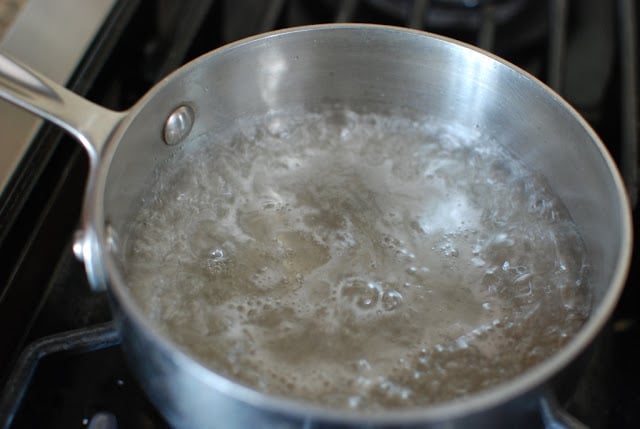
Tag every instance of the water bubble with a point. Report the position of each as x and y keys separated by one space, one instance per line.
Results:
x=393 y=391
x=267 y=278
x=503 y=238
x=462 y=342
x=477 y=261
x=217 y=262
x=448 y=249
x=217 y=255
x=404 y=253
x=363 y=294
x=355 y=401
x=391 y=300
x=364 y=382
x=277 y=127
x=363 y=365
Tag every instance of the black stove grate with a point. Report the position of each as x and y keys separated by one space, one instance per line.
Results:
x=80 y=373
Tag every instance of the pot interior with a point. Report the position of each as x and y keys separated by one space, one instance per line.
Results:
x=382 y=70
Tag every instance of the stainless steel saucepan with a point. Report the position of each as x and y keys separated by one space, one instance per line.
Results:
x=368 y=66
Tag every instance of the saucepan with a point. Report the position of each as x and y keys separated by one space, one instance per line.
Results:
x=362 y=67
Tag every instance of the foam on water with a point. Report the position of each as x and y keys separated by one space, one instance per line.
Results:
x=357 y=260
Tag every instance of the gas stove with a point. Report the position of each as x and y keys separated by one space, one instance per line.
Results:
x=60 y=360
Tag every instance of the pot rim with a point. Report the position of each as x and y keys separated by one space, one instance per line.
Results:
x=497 y=395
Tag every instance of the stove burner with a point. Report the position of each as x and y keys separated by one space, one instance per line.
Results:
x=451 y=14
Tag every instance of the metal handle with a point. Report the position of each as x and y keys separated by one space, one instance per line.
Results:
x=86 y=121
x=90 y=124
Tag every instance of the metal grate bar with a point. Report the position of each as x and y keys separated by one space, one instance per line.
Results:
x=416 y=18
x=629 y=97
x=487 y=32
x=272 y=15
x=81 y=340
x=346 y=11
x=557 y=43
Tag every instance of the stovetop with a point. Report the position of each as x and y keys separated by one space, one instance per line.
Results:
x=60 y=360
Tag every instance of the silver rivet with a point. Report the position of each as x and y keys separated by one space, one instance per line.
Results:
x=178 y=125
x=78 y=244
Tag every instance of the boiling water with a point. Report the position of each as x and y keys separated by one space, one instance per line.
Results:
x=358 y=261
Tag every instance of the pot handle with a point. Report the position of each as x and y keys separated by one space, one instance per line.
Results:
x=555 y=417
x=90 y=124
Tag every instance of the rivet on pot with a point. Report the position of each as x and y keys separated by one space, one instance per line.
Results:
x=78 y=245
x=178 y=125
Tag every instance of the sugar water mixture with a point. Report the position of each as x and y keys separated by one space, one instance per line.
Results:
x=358 y=261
